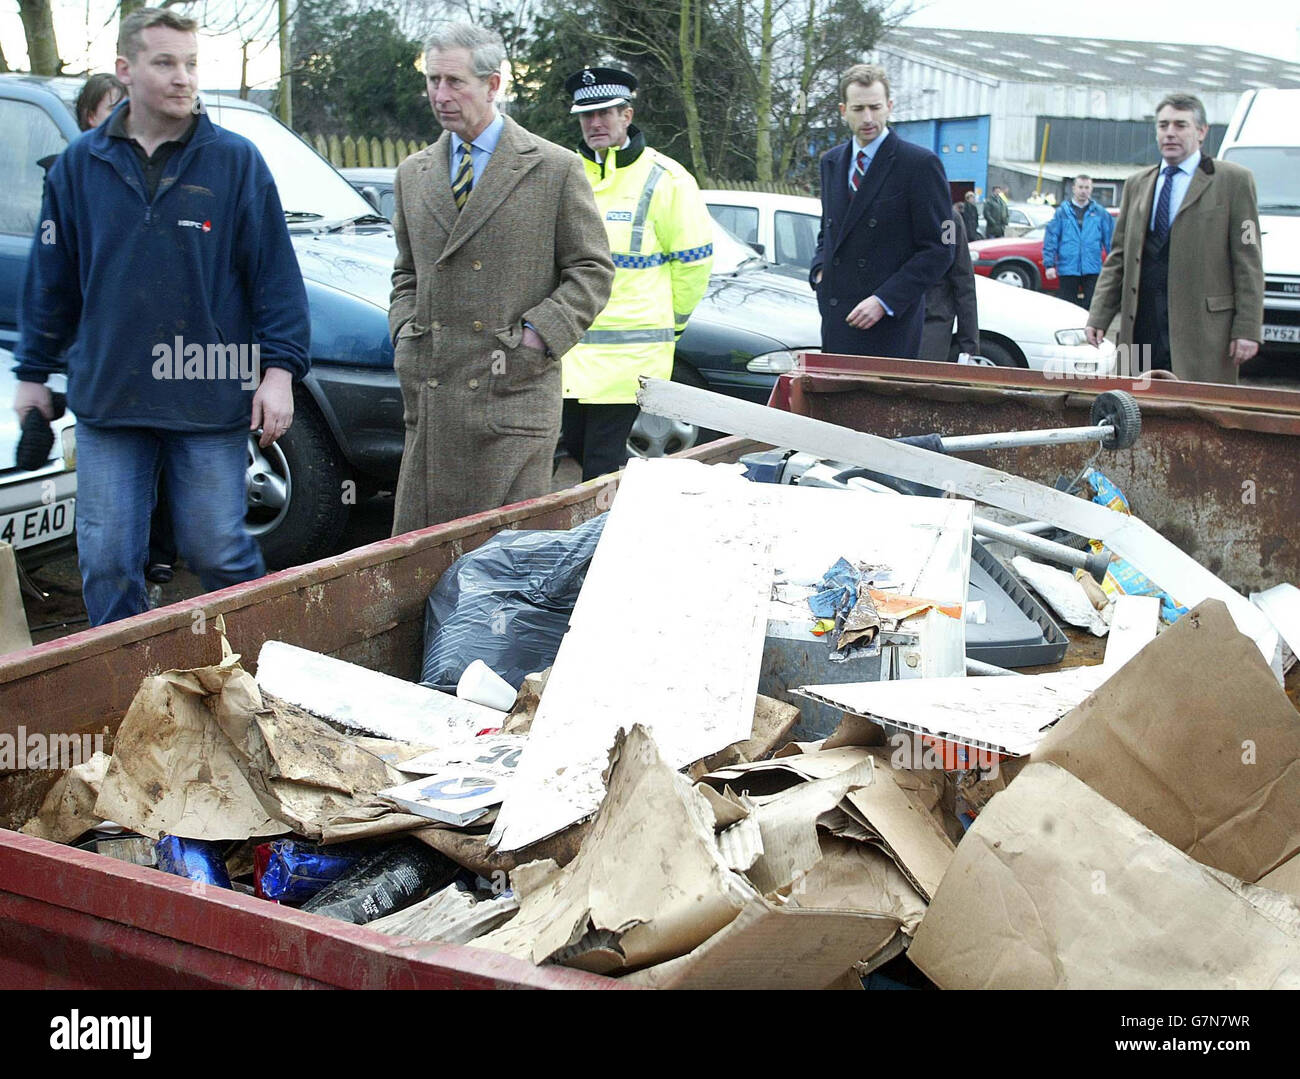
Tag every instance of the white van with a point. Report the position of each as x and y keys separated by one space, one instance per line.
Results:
x=1264 y=136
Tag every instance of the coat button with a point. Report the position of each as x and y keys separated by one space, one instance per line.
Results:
x=441 y=267
x=833 y=302
x=861 y=263
x=435 y=324
x=872 y=223
x=433 y=383
x=478 y=326
x=473 y=384
x=835 y=262
x=476 y=264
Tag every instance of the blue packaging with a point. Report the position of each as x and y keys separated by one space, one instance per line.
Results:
x=196 y=859
x=296 y=870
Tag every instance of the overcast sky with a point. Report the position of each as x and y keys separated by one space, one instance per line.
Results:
x=1268 y=27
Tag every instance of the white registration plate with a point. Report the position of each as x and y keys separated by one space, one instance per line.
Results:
x=1289 y=334
x=40 y=524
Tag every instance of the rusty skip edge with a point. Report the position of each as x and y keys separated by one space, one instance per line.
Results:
x=132 y=920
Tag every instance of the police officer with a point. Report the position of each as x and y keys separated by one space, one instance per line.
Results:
x=661 y=239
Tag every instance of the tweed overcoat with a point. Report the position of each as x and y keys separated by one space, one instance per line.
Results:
x=1216 y=271
x=482 y=411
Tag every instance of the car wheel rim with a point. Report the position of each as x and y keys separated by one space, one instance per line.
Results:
x=1012 y=278
x=269 y=486
x=655 y=436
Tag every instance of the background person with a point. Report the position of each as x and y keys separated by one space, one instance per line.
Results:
x=884 y=204
x=661 y=239
x=98 y=97
x=1075 y=243
x=953 y=297
x=1185 y=273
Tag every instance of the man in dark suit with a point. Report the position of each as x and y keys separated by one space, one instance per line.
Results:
x=883 y=242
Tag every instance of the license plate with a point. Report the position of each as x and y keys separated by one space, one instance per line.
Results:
x=38 y=525
x=1289 y=334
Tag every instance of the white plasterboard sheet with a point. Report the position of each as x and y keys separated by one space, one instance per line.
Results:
x=1171 y=568
x=667 y=632
x=1134 y=624
x=370 y=701
x=1006 y=715
x=1281 y=605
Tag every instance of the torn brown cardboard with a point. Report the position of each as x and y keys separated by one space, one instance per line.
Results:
x=1195 y=739
x=854 y=876
x=69 y=807
x=768 y=947
x=450 y=916
x=908 y=833
x=174 y=770
x=648 y=884
x=1054 y=887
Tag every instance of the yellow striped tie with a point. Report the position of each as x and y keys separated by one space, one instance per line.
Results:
x=464 y=182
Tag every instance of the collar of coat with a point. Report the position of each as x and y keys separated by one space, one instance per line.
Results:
x=622 y=158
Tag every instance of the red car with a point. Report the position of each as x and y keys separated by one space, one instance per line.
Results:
x=1018 y=260
x=1014 y=260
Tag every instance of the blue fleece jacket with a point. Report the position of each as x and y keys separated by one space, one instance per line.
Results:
x=153 y=307
x=1076 y=250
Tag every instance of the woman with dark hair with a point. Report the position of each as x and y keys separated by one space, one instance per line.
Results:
x=97 y=99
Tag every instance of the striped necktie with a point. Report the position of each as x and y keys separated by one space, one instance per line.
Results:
x=859 y=170
x=464 y=182
x=1164 y=203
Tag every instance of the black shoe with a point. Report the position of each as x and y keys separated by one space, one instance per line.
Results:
x=158 y=573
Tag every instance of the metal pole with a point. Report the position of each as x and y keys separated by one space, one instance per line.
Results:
x=1093 y=562
x=1054 y=436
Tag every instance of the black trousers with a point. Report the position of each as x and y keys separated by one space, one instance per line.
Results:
x=1071 y=284
x=596 y=435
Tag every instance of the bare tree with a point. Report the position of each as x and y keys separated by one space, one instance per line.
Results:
x=38 y=25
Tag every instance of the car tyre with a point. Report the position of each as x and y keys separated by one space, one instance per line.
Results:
x=299 y=491
x=1015 y=275
x=999 y=355
x=656 y=436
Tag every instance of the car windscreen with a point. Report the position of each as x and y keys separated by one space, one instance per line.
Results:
x=307 y=183
x=730 y=253
x=1277 y=175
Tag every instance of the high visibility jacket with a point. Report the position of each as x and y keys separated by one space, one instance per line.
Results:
x=661 y=239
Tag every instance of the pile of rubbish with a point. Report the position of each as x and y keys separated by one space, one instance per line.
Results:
x=726 y=735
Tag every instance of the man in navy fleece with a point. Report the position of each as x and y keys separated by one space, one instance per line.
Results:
x=163 y=276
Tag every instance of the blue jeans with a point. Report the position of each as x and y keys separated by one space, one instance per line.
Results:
x=117 y=476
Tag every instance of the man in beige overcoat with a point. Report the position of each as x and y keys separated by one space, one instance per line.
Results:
x=1185 y=273
x=502 y=264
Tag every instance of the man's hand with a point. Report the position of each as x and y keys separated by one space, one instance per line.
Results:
x=532 y=339
x=33 y=395
x=818 y=279
x=1095 y=336
x=1050 y=273
x=1241 y=350
x=866 y=314
x=273 y=405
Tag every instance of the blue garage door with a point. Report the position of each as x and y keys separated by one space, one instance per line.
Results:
x=962 y=146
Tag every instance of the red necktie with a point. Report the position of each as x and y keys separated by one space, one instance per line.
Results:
x=859 y=170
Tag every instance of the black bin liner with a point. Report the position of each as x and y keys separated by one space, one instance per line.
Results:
x=507 y=603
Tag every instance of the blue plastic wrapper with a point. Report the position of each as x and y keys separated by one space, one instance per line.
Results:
x=840 y=591
x=507 y=603
x=296 y=871
x=1122 y=577
x=197 y=859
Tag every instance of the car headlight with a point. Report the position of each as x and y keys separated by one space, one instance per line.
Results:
x=772 y=363
x=1071 y=337
x=68 y=442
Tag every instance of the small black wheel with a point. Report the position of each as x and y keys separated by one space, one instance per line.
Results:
x=997 y=354
x=1120 y=410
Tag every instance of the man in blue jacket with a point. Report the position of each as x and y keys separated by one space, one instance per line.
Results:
x=1076 y=242
x=163 y=278
x=883 y=243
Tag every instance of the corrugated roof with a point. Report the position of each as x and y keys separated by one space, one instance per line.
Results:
x=1096 y=61
x=1067 y=170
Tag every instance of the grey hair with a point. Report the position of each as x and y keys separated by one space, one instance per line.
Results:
x=1185 y=103
x=486 y=50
